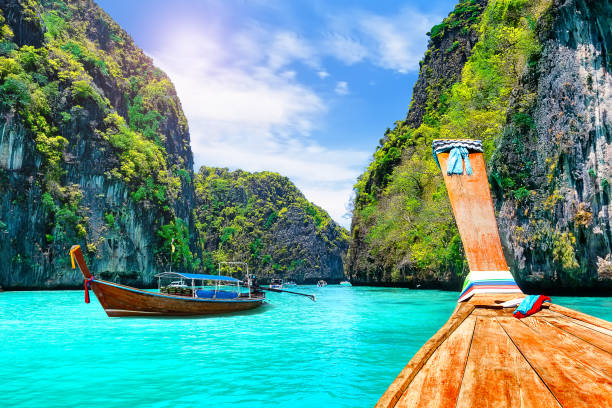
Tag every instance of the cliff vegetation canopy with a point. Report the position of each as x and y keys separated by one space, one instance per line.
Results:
x=263 y=218
x=511 y=73
x=94 y=150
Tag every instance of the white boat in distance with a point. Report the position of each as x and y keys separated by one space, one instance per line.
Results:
x=276 y=284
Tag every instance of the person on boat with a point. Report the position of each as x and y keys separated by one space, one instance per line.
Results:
x=255 y=289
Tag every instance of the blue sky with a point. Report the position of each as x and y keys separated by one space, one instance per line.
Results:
x=303 y=88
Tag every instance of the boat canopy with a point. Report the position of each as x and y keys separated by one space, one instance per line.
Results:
x=197 y=276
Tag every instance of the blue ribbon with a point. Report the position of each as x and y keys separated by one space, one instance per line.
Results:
x=456 y=158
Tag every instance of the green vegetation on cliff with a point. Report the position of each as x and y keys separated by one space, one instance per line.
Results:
x=88 y=117
x=403 y=230
x=263 y=219
x=94 y=150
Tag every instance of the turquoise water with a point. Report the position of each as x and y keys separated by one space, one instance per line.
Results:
x=342 y=351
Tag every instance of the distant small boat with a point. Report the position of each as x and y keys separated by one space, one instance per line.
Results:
x=276 y=284
x=321 y=283
x=345 y=283
x=290 y=283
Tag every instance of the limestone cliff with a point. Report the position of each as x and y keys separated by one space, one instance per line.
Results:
x=535 y=87
x=94 y=148
x=551 y=168
x=263 y=219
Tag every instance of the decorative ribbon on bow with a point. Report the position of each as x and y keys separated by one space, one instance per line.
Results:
x=456 y=158
x=87 y=286
x=458 y=153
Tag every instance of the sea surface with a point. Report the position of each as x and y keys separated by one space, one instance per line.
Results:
x=342 y=351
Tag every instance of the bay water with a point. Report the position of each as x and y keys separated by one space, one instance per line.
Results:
x=342 y=351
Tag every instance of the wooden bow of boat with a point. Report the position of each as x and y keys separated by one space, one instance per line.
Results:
x=120 y=300
x=483 y=355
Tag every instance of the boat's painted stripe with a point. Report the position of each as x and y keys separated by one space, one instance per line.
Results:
x=132 y=311
x=474 y=290
x=144 y=292
x=488 y=282
x=488 y=276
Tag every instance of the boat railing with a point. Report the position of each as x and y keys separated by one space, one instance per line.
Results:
x=213 y=286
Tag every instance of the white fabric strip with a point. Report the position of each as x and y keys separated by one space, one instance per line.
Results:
x=474 y=291
x=486 y=275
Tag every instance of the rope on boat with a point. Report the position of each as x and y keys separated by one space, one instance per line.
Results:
x=87 y=286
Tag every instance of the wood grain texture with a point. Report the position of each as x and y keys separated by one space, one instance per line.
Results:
x=438 y=383
x=497 y=375
x=581 y=316
x=471 y=201
x=507 y=312
x=573 y=383
x=592 y=326
x=493 y=300
x=405 y=377
x=545 y=360
x=597 y=360
x=597 y=339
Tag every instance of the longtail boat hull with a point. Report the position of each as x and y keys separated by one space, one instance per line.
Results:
x=120 y=300
x=484 y=356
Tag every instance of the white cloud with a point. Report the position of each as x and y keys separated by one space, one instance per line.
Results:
x=247 y=110
x=344 y=48
x=239 y=87
x=286 y=47
x=394 y=42
x=341 y=88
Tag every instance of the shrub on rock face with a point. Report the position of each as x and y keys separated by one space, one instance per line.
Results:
x=173 y=246
x=262 y=218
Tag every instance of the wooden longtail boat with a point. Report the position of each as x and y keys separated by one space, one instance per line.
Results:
x=484 y=356
x=120 y=300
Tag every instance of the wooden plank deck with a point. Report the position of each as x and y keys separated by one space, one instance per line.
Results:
x=484 y=357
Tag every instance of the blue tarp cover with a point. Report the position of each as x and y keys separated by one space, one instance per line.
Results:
x=200 y=276
x=221 y=294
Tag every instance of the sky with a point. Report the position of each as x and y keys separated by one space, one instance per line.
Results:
x=302 y=88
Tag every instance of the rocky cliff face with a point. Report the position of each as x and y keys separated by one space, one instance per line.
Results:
x=263 y=219
x=535 y=87
x=557 y=230
x=389 y=222
x=94 y=148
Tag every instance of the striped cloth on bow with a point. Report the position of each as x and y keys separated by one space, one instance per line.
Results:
x=488 y=282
